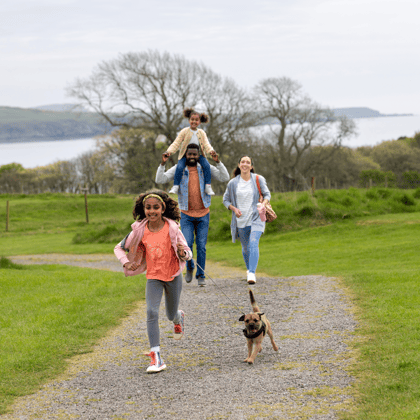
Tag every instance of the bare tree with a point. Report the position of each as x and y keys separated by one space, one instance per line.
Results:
x=147 y=90
x=230 y=110
x=298 y=123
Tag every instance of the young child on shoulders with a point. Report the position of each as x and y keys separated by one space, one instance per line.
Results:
x=157 y=244
x=187 y=135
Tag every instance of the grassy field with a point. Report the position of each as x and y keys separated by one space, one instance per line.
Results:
x=368 y=238
x=50 y=313
x=378 y=258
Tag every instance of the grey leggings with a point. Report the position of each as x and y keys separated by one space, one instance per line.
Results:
x=154 y=290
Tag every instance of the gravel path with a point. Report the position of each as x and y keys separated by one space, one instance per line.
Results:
x=308 y=378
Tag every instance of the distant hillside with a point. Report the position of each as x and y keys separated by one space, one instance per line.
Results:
x=22 y=124
x=363 y=113
x=65 y=121
x=61 y=108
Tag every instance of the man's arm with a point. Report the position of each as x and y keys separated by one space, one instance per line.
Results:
x=219 y=172
x=163 y=177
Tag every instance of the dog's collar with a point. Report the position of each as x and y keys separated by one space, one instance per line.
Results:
x=256 y=334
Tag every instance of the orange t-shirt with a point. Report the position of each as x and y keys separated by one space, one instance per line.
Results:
x=195 y=202
x=162 y=263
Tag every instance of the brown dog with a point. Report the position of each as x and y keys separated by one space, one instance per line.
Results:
x=256 y=326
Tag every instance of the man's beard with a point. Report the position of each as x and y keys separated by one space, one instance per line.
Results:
x=191 y=162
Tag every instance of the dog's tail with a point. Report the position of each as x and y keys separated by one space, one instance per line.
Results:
x=255 y=308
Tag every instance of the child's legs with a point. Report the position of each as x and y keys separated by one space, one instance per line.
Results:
x=244 y=234
x=180 y=166
x=154 y=290
x=172 y=296
x=254 y=252
x=205 y=165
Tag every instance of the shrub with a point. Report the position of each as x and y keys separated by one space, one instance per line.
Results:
x=372 y=194
x=6 y=263
x=416 y=193
x=384 y=192
x=347 y=201
x=410 y=179
x=379 y=178
x=354 y=192
x=406 y=199
x=306 y=211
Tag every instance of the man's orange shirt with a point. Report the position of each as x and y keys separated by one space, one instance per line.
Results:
x=162 y=263
x=195 y=203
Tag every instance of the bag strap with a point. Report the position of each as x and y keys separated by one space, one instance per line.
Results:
x=258 y=185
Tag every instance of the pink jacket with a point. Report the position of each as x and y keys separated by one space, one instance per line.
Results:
x=136 y=249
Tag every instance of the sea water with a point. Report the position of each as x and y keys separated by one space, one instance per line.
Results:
x=370 y=132
x=41 y=153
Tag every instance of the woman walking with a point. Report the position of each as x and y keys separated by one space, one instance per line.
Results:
x=241 y=197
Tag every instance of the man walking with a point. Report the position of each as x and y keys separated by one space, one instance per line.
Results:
x=194 y=204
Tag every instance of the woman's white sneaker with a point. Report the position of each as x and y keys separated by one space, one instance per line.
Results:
x=251 y=278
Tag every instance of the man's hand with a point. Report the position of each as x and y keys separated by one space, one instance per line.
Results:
x=165 y=157
x=215 y=156
x=131 y=266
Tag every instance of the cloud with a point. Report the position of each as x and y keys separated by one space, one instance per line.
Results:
x=336 y=48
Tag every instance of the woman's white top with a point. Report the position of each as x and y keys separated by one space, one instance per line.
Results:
x=244 y=198
x=194 y=138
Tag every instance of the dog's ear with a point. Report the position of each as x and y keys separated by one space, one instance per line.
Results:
x=242 y=318
x=260 y=314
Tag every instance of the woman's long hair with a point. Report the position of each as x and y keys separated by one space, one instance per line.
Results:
x=237 y=170
x=171 y=210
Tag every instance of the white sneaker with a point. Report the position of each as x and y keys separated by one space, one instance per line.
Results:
x=251 y=278
x=156 y=364
x=208 y=190
x=174 y=189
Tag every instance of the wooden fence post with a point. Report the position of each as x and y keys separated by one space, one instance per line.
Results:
x=7 y=216
x=86 y=203
x=313 y=184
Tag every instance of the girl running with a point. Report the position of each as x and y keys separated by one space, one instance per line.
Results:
x=156 y=244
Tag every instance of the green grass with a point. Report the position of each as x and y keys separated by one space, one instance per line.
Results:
x=50 y=313
x=110 y=215
x=369 y=238
x=378 y=258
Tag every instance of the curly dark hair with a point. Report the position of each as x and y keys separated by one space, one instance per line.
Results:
x=171 y=206
x=204 y=118
x=237 y=171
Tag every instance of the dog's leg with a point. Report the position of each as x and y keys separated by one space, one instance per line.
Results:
x=256 y=350
x=249 y=343
x=270 y=334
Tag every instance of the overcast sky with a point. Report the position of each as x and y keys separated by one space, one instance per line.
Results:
x=344 y=53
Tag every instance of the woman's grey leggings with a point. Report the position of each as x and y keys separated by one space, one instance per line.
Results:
x=154 y=290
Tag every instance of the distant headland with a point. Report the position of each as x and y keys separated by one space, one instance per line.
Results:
x=70 y=121
x=364 y=113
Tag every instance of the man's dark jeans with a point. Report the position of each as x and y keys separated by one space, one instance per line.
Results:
x=200 y=227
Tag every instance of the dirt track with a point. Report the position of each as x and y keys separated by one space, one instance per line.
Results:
x=312 y=320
